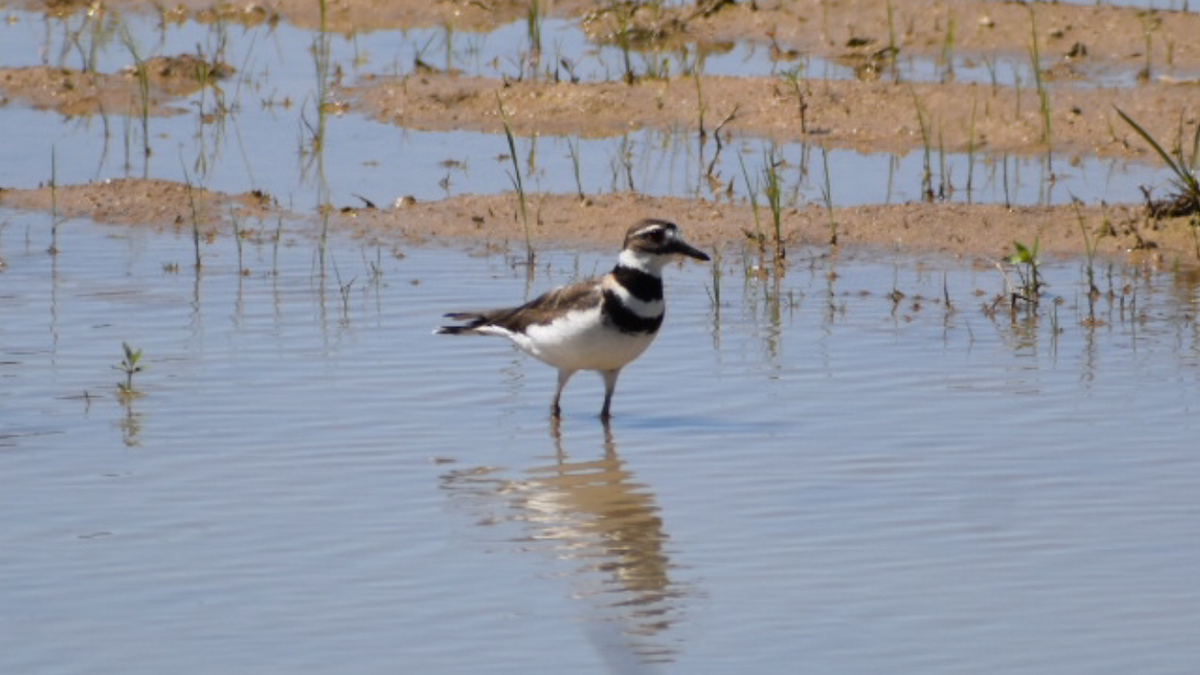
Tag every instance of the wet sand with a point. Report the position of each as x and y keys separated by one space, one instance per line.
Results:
x=599 y=221
x=866 y=116
x=72 y=92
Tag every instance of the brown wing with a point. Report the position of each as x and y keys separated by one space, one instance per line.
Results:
x=545 y=307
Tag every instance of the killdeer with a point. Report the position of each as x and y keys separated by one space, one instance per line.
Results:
x=597 y=324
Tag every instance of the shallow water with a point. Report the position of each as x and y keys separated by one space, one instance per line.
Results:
x=261 y=142
x=815 y=474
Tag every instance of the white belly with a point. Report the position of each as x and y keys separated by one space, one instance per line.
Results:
x=581 y=341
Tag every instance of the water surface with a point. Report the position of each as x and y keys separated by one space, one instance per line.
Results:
x=812 y=472
x=263 y=138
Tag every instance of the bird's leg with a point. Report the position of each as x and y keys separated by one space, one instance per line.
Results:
x=563 y=376
x=610 y=383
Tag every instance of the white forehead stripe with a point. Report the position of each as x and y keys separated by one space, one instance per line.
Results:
x=656 y=226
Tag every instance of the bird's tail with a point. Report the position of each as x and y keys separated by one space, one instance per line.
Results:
x=473 y=320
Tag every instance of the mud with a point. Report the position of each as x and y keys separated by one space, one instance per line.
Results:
x=831 y=28
x=868 y=116
x=137 y=201
x=74 y=93
x=600 y=221
x=493 y=221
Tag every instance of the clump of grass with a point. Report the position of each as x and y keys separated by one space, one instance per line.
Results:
x=143 y=80
x=237 y=238
x=275 y=246
x=752 y=192
x=827 y=197
x=892 y=49
x=946 y=58
x=129 y=365
x=53 y=250
x=322 y=55
x=1187 y=201
x=794 y=80
x=926 y=169
x=573 y=150
x=971 y=152
x=773 y=191
x=1042 y=91
x=533 y=27
x=187 y=181
x=945 y=188
x=515 y=177
x=714 y=179
x=623 y=18
x=1149 y=23
x=1089 y=247
x=714 y=293
x=448 y=30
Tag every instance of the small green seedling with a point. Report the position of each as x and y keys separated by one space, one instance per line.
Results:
x=1025 y=259
x=130 y=366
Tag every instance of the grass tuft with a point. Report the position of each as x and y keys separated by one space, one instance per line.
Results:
x=773 y=190
x=1188 y=199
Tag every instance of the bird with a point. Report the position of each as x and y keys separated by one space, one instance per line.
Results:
x=602 y=323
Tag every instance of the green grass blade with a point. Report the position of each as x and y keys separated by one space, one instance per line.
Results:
x=1186 y=177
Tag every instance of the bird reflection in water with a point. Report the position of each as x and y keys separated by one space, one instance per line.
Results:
x=594 y=516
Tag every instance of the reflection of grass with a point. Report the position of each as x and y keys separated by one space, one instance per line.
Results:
x=343 y=291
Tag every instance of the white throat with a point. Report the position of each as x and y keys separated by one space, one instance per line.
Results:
x=649 y=263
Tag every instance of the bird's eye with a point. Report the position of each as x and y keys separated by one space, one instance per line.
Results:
x=656 y=236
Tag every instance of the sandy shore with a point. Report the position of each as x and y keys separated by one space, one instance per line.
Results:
x=599 y=221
